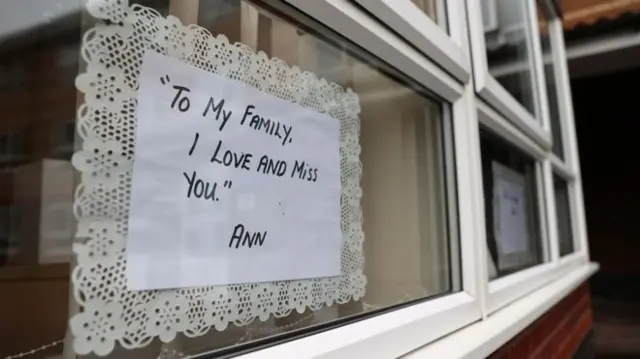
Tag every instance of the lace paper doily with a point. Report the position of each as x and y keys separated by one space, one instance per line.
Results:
x=107 y=122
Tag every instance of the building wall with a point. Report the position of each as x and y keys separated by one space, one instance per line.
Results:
x=559 y=333
x=607 y=112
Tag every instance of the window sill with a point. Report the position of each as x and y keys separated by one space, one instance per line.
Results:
x=481 y=339
x=388 y=335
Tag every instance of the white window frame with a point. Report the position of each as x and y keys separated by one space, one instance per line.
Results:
x=347 y=19
x=569 y=169
x=503 y=291
x=535 y=125
x=557 y=56
x=388 y=335
x=416 y=27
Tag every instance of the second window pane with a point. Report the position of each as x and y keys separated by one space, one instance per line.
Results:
x=563 y=215
x=509 y=52
x=511 y=206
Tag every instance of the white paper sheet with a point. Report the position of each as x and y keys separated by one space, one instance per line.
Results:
x=230 y=185
x=509 y=193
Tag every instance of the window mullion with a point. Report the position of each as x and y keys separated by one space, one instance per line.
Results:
x=540 y=89
x=470 y=198
x=478 y=204
x=558 y=54
x=551 y=216
x=467 y=140
x=458 y=26
x=568 y=121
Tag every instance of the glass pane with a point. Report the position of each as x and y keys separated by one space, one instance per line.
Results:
x=435 y=9
x=563 y=214
x=408 y=198
x=511 y=206
x=39 y=60
x=508 y=45
x=550 y=80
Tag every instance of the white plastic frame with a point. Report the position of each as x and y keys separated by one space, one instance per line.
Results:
x=555 y=33
x=570 y=168
x=536 y=126
x=502 y=291
x=388 y=335
x=416 y=27
x=510 y=120
x=347 y=19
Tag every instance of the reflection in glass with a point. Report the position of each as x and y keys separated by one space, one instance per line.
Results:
x=39 y=60
x=513 y=233
x=508 y=46
x=435 y=9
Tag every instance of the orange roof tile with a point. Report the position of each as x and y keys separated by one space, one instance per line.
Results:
x=588 y=12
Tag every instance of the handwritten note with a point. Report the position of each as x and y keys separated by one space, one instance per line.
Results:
x=230 y=184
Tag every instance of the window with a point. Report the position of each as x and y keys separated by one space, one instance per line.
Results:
x=434 y=27
x=509 y=45
x=408 y=195
x=451 y=198
x=563 y=215
x=510 y=180
x=564 y=174
x=507 y=62
x=550 y=81
x=518 y=90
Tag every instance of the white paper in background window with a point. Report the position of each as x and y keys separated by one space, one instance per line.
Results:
x=509 y=212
